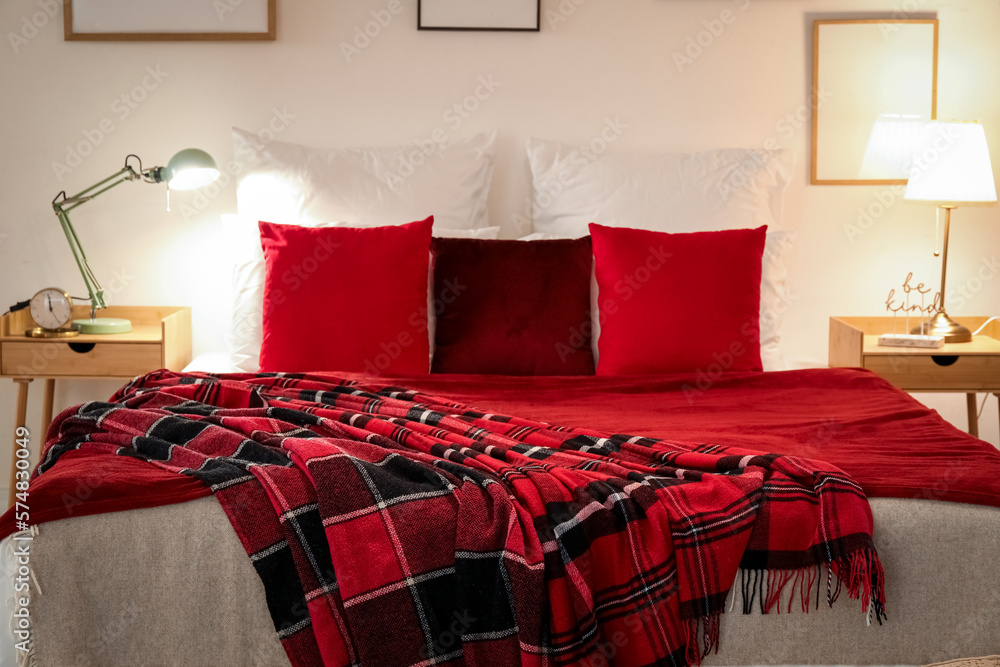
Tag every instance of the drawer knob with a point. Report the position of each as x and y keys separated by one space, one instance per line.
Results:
x=81 y=348
x=939 y=359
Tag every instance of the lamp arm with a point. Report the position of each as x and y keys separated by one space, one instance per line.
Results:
x=67 y=204
x=94 y=288
x=62 y=205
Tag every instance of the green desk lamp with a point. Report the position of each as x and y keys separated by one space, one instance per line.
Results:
x=190 y=169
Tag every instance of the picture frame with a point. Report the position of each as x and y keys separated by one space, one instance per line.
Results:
x=874 y=86
x=485 y=15
x=175 y=20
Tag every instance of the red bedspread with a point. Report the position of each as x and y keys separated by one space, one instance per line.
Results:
x=361 y=501
x=889 y=442
x=886 y=440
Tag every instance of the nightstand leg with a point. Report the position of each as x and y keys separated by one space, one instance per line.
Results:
x=998 y=402
x=970 y=403
x=22 y=417
x=50 y=392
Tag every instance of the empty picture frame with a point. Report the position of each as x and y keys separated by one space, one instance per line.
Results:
x=517 y=15
x=874 y=85
x=169 y=20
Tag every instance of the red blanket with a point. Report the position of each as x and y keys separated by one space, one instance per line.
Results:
x=889 y=442
x=486 y=539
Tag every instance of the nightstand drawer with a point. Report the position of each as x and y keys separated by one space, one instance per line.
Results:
x=60 y=359
x=938 y=372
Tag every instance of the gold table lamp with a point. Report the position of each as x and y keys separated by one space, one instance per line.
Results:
x=951 y=168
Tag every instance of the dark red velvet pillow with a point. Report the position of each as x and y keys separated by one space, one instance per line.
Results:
x=346 y=299
x=672 y=303
x=512 y=307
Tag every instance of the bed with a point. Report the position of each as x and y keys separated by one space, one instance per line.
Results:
x=189 y=519
x=941 y=604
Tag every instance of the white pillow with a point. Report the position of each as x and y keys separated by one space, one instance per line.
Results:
x=249 y=271
x=730 y=188
x=292 y=184
x=488 y=233
x=708 y=191
x=296 y=184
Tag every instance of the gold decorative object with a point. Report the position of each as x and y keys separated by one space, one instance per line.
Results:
x=904 y=306
x=39 y=332
x=951 y=168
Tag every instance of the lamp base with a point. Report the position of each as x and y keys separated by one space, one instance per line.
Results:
x=103 y=325
x=942 y=325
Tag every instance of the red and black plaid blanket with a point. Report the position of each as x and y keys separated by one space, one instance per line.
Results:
x=394 y=528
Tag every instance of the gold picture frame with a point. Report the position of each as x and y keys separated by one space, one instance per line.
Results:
x=874 y=85
x=175 y=20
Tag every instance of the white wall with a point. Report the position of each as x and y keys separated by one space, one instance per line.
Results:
x=601 y=60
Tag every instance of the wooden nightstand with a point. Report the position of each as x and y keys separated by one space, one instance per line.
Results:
x=160 y=338
x=959 y=367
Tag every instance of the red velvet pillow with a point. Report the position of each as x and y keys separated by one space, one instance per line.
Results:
x=512 y=307
x=672 y=303
x=346 y=299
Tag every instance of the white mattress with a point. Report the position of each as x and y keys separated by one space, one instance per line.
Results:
x=211 y=362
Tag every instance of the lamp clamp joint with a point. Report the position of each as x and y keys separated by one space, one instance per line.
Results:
x=155 y=175
x=71 y=200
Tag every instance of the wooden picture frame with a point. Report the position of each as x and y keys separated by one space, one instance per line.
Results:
x=169 y=20
x=484 y=15
x=874 y=85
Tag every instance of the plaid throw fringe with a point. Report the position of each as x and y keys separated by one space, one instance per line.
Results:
x=399 y=529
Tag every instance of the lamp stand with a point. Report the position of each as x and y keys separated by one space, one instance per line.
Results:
x=940 y=324
x=62 y=205
x=103 y=325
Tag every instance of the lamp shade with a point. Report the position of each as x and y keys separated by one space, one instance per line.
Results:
x=189 y=169
x=951 y=166
x=890 y=146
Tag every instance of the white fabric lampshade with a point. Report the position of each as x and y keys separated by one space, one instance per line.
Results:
x=891 y=144
x=951 y=166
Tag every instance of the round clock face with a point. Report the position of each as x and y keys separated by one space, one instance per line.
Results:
x=51 y=308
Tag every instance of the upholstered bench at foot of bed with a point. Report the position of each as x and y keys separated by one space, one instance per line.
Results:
x=172 y=585
x=158 y=587
x=942 y=598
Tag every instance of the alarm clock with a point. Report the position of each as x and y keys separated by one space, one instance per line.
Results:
x=52 y=310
